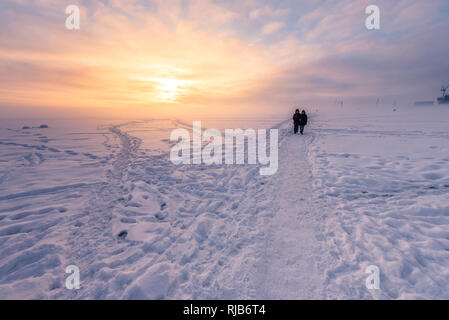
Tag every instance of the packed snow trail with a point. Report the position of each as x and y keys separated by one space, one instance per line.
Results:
x=289 y=266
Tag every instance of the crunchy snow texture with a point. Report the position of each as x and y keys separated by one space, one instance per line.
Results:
x=359 y=188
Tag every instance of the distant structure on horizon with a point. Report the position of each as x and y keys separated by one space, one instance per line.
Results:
x=424 y=103
x=445 y=97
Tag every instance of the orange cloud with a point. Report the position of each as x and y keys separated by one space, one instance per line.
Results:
x=157 y=58
x=121 y=62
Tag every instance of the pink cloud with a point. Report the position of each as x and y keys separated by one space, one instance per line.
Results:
x=272 y=27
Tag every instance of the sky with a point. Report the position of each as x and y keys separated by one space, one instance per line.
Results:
x=158 y=58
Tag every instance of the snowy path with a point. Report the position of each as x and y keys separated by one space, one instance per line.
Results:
x=289 y=266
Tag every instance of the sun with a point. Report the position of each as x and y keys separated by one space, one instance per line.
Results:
x=168 y=90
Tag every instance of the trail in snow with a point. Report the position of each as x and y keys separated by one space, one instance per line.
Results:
x=289 y=266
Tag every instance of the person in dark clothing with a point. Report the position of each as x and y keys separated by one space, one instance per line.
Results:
x=296 y=120
x=302 y=121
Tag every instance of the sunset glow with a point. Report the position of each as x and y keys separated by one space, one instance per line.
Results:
x=169 y=90
x=150 y=58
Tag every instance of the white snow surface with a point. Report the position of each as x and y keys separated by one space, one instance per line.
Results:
x=361 y=187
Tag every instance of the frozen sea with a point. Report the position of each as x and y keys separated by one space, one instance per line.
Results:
x=362 y=187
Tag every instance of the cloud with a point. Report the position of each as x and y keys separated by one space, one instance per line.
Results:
x=117 y=52
x=206 y=11
x=272 y=27
x=267 y=12
x=216 y=56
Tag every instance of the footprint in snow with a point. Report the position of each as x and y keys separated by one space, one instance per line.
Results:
x=161 y=215
x=122 y=234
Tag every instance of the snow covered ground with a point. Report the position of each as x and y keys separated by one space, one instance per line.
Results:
x=359 y=188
